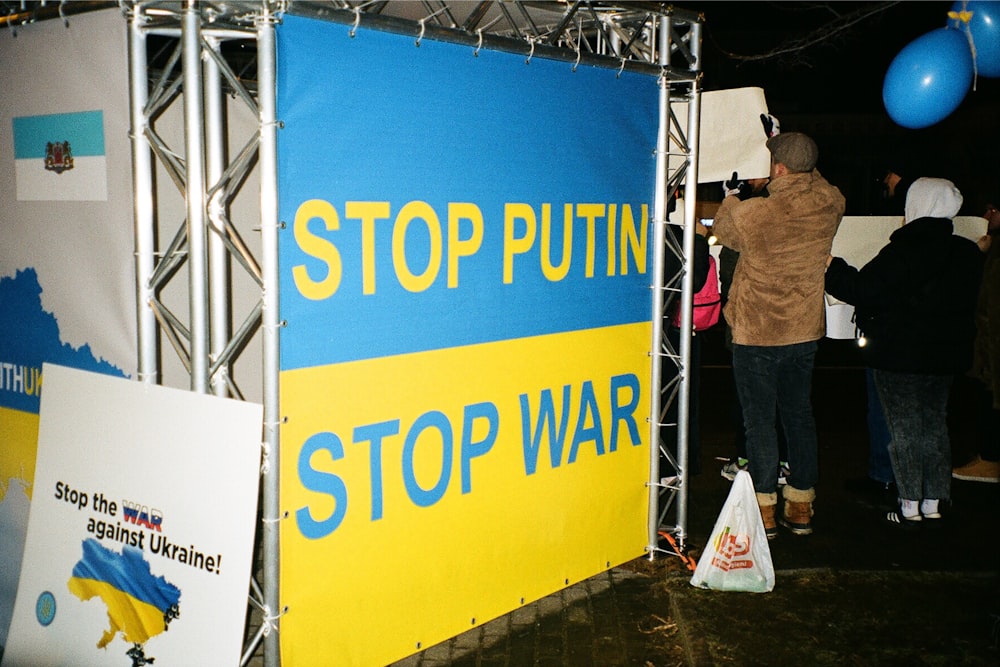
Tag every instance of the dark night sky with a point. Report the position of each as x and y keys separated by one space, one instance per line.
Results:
x=841 y=78
x=844 y=72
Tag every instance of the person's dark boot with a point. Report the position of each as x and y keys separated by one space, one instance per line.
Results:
x=768 y=503
x=798 y=512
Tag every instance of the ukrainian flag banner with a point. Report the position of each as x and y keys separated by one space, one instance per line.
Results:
x=465 y=263
x=60 y=157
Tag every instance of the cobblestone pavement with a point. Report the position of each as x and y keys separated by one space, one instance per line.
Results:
x=608 y=619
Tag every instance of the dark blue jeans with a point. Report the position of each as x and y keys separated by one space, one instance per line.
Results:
x=774 y=381
x=879 y=463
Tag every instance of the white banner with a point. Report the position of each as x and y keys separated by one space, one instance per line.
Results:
x=66 y=179
x=67 y=284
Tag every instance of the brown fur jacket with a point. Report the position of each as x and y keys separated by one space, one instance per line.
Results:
x=784 y=241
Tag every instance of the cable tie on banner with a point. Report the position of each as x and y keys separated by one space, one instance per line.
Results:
x=620 y=69
x=284 y=515
x=423 y=27
x=479 y=45
x=577 y=63
x=265 y=457
x=531 y=53
x=423 y=23
x=268 y=621
x=61 y=14
x=357 y=21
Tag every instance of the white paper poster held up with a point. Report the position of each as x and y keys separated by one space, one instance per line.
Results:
x=142 y=519
x=737 y=557
x=731 y=137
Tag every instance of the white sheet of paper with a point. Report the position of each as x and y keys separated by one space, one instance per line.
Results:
x=731 y=137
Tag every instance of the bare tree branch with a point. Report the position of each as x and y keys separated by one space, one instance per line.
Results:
x=826 y=32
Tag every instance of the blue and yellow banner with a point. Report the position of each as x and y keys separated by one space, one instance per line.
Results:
x=465 y=272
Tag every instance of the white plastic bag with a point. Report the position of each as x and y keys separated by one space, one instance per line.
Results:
x=737 y=558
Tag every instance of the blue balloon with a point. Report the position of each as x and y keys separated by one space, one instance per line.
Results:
x=928 y=78
x=984 y=27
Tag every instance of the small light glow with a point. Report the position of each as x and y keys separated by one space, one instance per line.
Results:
x=862 y=341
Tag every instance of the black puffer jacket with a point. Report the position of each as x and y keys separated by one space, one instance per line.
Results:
x=915 y=300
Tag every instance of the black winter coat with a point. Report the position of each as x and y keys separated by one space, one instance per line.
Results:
x=915 y=301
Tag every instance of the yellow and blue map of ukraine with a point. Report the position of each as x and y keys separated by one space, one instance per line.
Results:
x=139 y=604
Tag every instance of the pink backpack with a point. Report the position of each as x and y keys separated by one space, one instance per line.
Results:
x=707 y=302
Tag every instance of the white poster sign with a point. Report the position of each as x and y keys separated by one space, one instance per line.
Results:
x=142 y=520
x=731 y=137
x=859 y=239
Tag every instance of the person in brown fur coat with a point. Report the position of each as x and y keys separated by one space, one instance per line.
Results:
x=776 y=311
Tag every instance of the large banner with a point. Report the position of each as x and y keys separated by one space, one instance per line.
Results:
x=465 y=356
x=140 y=541
x=66 y=254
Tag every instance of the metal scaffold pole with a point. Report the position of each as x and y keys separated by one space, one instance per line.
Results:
x=197 y=235
x=659 y=223
x=271 y=327
x=690 y=203
x=142 y=183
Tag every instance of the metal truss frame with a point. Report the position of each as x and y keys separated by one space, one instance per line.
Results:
x=198 y=71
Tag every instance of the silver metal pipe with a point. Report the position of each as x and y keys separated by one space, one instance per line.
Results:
x=218 y=33
x=218 y=255
x=195 y=168
x=684 y=348
x=142 y=186
x=659 y=224
x=266 y=97
x=243 y=333
x=690 y=202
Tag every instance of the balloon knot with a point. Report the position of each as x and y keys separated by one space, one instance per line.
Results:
x=963 y=16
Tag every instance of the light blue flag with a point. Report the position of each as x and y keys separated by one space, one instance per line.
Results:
x=60 y=157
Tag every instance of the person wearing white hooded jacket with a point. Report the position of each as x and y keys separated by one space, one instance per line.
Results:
x=915 y=304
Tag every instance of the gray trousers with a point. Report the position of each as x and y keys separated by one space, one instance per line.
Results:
x=915 y=408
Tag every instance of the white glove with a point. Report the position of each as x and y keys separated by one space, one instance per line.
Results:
x=732 y=186
x=771 y=125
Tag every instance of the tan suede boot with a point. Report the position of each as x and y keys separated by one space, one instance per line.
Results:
x=768 y=503
x=797 y=516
